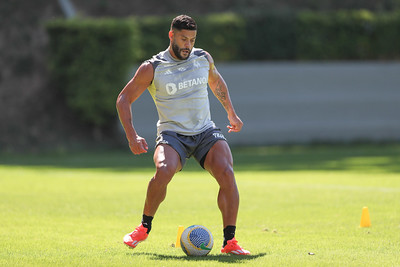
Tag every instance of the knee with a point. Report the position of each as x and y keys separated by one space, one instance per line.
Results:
x=164 y=173
x=225 y=176
x=228 y=171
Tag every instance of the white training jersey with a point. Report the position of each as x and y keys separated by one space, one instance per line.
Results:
x=179 y=91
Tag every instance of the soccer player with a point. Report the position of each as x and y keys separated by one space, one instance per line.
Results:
x=177 y=80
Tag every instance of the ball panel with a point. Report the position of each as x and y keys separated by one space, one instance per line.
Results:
x=183 y=246
x=199 y=236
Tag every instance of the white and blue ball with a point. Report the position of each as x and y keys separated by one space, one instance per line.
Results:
x=196 y=240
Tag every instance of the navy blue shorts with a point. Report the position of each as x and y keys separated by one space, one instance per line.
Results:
x=191 y=145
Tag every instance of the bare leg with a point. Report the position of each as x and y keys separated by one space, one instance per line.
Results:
x=219 y=163
x=167 y=162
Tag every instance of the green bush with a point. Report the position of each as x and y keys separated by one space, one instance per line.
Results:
x=345 y=35
x=269 y=36
x=221 y=35
x=153 y=35
x=387 y=42
x=89 y=61
x=90 y=58
x=311 y=35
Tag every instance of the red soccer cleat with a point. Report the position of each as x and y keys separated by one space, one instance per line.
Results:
x=233 y=248
x=137 y=236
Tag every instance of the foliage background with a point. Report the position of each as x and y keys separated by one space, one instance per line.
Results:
x=35 y=114
x=91 y=58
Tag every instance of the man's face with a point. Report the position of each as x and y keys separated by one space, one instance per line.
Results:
x=182 y=43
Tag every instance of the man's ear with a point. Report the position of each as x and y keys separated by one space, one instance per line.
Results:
x=171 y=35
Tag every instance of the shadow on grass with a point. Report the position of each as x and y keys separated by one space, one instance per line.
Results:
x=226 y=258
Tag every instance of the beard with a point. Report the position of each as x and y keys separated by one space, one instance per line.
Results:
x=177 y=51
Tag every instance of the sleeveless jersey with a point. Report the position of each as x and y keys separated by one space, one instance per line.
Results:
x=179 y=91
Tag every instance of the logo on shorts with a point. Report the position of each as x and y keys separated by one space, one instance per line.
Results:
x=219 y=136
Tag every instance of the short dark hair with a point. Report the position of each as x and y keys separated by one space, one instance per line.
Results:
x=183 y=22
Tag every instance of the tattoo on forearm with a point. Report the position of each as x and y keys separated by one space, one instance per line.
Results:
x=220 y=93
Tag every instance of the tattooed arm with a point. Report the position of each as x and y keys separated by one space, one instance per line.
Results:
x=220 y=90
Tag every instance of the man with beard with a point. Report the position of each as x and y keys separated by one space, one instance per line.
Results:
x=177 y=80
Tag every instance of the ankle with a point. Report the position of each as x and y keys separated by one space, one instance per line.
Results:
x=229 y=233
x=146 y=222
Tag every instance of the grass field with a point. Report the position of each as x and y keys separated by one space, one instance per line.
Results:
x=74 y=209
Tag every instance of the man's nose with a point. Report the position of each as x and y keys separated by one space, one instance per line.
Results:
x=187 y=44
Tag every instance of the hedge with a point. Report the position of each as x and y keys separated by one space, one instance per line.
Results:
x=153 y=35
x=219 y=34
x=387 y=43
x=270 y=36
x=348 y=35
x=339 y=35
x=89 y=62
x=90 y=58
x=306 y=35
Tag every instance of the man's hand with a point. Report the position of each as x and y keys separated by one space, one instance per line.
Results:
x=138 y=145
x=236 y=124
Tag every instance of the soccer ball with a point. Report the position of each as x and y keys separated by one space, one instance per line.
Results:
x=196 y=240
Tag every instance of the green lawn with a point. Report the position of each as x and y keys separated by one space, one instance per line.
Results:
x=74 y=209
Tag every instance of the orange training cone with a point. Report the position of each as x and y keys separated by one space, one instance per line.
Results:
x=365 y=221
x=178 y=238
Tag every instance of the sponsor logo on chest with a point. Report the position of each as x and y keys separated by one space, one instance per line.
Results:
x=172 y=88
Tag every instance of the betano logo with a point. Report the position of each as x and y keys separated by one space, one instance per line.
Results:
x=172 y=88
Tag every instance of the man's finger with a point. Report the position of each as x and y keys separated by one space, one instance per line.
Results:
x=231 y=128
x=144 y=143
